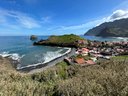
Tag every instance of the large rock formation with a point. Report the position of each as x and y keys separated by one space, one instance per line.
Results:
x=33 y=37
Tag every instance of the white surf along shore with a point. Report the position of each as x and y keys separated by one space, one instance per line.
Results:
x=13 y=56
x=49 y=56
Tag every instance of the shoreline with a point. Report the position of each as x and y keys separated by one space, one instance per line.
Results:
x=34 y=65
x=39 y=67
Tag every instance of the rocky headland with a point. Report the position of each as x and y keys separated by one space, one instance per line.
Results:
x=71 y=40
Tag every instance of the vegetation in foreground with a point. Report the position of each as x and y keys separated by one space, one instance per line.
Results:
x=104 y=79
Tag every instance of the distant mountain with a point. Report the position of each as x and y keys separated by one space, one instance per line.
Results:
x=118 y=28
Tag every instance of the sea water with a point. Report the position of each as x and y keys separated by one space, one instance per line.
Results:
x=114 y=39
x=21 y=48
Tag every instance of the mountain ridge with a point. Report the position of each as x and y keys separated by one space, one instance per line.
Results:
x=117 y=28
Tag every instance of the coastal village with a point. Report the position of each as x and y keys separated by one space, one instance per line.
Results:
x=86 y=52
x=63 y=47
x=95 y=51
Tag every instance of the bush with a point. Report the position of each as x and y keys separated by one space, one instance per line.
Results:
x=104 y=79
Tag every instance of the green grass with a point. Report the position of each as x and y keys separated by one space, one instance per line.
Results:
x=64 y=39
x=104 y=79
x=121 y=57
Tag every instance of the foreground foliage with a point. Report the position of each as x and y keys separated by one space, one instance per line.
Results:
x=106 y=79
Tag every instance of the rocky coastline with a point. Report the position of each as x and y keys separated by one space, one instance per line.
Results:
x=45 y=43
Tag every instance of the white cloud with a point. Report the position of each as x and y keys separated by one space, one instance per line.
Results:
x=46 y=19
x=85 y=25
x=20 y=18
x=118 y=14
x=27 y=22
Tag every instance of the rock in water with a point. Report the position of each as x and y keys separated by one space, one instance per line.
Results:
x=33 y=37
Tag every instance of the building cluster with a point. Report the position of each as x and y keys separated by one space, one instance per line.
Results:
x=98 y=50
x=109 y=48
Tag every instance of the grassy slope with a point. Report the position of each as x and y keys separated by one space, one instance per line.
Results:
x=64 y=39
x=108 y=79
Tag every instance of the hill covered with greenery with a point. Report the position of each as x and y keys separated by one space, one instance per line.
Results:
x=107 y=78
x=64 y=38
x=62 y=41
x=116 y=28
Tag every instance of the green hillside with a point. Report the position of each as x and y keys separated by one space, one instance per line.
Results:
x=62 y=41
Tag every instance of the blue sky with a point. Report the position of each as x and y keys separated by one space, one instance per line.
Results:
x=57 y=17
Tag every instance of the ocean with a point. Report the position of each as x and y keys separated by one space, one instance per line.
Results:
x=115 y=39
x=21 y=48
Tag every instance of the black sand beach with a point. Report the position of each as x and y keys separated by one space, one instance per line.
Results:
x=40 y=67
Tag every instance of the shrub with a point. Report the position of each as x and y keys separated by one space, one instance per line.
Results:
x=104 y=79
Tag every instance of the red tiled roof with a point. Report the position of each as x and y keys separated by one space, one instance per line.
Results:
x=90 y=62
x=80 y=60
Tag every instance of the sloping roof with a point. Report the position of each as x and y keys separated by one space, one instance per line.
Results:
x=90 y=62
x=80 y=60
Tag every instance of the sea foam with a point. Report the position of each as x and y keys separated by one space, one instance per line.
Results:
x=13 y=56
x=49 y=56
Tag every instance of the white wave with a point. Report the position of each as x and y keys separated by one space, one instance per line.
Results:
x=13 y=56
x=120 y=37
x=52 y=55
x=123 y=38
x=16 y=56
x=5 y=54
x=47 y=58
